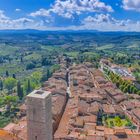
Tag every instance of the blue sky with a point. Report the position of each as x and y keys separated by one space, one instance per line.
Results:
x=104 y=15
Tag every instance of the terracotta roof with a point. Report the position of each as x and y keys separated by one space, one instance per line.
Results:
x=89 y=126
x=94 y=108
x=95 y=138
x=83 y=107
x=90 y=119
x=79 y=122
x=136 y=112
x=128 y=105
x=108 y=109
x=4 y=135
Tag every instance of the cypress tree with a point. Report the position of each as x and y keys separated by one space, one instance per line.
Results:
x=14 y=76
x=21 y=94
x=21 y=59
x=28 y=86
x=7 y=73
x=1 y=85
x=19 y=90
x=48 y=74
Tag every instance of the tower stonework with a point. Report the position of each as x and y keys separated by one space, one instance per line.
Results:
x=39 y=115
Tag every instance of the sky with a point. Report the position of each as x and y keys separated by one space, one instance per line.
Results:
x=102 y=15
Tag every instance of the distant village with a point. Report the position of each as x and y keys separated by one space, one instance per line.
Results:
x=85 y=106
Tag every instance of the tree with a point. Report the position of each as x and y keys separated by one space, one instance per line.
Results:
x=9 y=100
x=14 y=76
x=1 y=101
x=134 y=90
x=30 y=66
x=21 y=59
x=45 y=61
x=125 y=90
x=46 y=75
x=53 y=69
x=21 y=94
x=122 y=87
x=19 y=90
x=1 y=85
x=118 y=84
x=138 y=92
x=36 y=77
x=10 y=83
x=28 y=86
x=7 y=73
x=129 y=88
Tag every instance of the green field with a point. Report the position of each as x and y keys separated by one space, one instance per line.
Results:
x=105 y=47
x=72 y=54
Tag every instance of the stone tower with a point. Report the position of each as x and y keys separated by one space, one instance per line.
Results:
x=39 y=115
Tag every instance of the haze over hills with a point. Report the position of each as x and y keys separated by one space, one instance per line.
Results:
x=64 y=31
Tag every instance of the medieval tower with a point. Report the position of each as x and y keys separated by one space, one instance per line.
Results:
x=39 y=115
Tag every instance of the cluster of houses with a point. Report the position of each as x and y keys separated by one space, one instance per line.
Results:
x=92 y=98
x=81 y=98
x=57 y=85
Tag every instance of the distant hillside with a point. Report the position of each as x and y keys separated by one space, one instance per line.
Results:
x=68 y=31
x=72 y=39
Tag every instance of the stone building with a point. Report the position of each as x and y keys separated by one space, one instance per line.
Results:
x=39 y=115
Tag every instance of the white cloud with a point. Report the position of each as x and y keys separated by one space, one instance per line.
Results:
x=2 y=15
x=99 y=20
x=17 y=10
x=41 y=12
x=107 y=23
x=22 y=21
x=68 y=8
x=7 y=23
x=131 y=5
x=104 y=19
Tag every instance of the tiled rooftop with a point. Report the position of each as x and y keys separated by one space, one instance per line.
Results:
x=91 y=95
